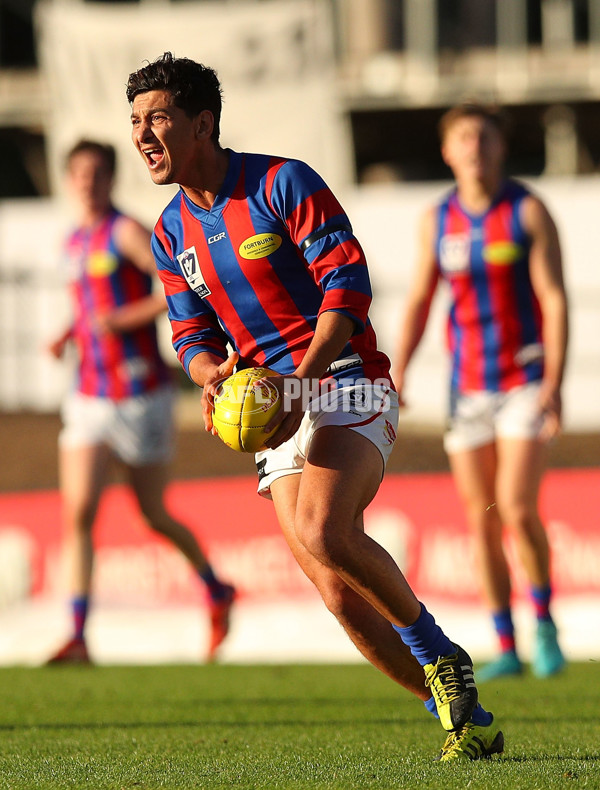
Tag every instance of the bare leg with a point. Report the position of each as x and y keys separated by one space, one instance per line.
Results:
x=340 y=477
x=82 y=473
x=371 y=633
x=520 y=469
x=149 y=483
x=474 y=474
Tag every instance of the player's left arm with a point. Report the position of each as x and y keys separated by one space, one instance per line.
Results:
x=57 y=346
x=545 y=267
x=332 y=332
x=318 y=225
x=133 y=242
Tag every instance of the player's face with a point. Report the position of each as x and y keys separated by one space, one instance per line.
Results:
x=164 y=136
x=474 y=149
x=90 y=181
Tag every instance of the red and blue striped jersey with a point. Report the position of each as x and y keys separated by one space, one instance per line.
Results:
x=274 y=252
x=111 y=365
x=494 y=324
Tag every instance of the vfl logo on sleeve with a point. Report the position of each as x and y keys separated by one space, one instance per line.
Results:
x=188 y=261
x=455 y=250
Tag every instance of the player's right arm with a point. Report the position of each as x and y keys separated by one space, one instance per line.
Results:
x=195 y=326
x=207 y=370
x=57 y=346
x=198 y=340
x=418 y=303
x=545 y=268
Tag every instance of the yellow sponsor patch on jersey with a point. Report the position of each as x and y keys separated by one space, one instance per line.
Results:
x=102 y=263
x=502 y=253
x=260 y=246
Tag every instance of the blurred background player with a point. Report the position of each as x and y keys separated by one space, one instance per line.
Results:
x=123 y=398
x=498 y=249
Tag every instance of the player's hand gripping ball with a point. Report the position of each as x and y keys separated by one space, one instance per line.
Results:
x=243 y=405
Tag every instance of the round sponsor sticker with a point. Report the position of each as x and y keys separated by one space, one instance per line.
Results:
x=101 y=264
x=260 y=246
x=502 y=253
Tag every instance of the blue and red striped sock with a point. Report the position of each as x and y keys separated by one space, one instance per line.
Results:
x=541 y=601
x=216 y=588
x=79 y=609
x=505 y=630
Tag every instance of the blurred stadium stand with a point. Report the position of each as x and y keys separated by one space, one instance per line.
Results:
x=399 y=63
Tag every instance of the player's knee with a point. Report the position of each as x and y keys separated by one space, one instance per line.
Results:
x=315 y=545
x=320 y=540
x=159 y=525
x=521 y=519
x=338 y=598
x=338 y=602
x=80 y=516
x=155 y=516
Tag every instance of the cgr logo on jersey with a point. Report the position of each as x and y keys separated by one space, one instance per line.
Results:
x=455 y=250
x=188 y=260
x=260 y=246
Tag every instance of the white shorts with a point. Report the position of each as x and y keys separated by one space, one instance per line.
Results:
x=139 y=430
x=371 y=411
x=477 y=418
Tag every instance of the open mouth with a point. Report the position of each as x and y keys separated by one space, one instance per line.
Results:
x=153 y=157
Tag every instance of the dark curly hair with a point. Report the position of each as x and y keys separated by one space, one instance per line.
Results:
x=194 y=87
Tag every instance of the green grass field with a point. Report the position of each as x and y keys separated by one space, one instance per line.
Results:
x=280 y=727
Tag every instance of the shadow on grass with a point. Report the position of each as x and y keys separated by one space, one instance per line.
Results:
x=202 y=723
x=550 y=758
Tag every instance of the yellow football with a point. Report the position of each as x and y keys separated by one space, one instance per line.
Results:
x=243 y=405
